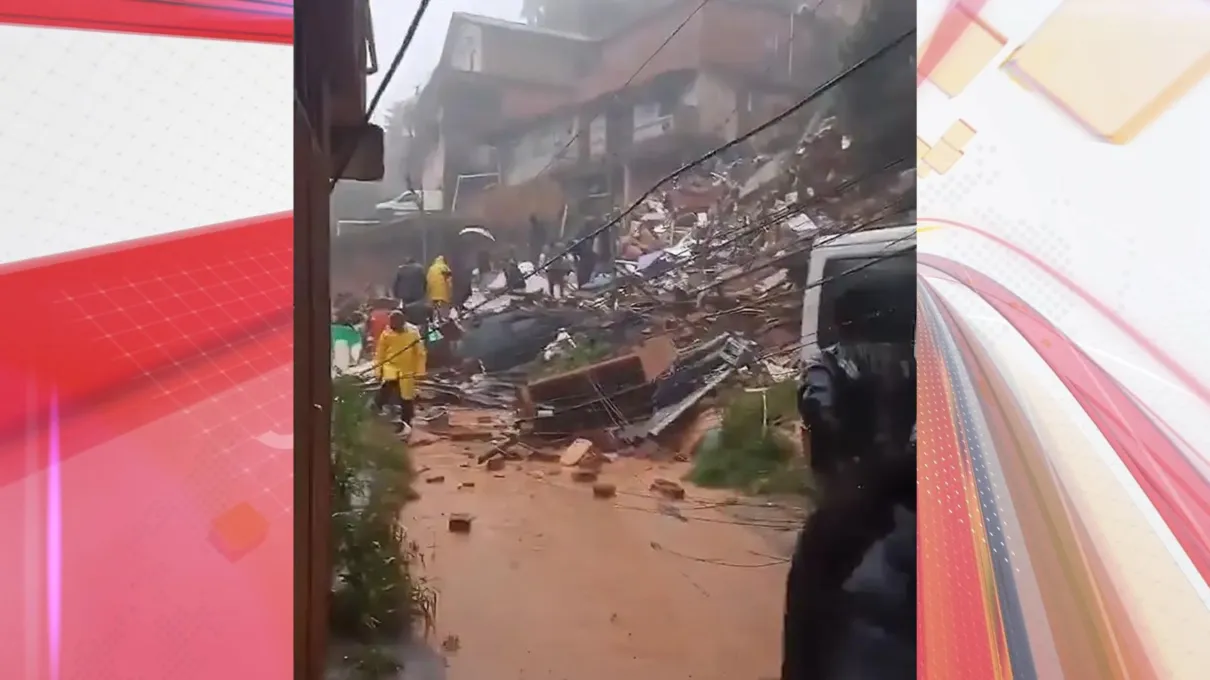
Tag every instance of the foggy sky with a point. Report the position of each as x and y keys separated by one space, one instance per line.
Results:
x=391 y=19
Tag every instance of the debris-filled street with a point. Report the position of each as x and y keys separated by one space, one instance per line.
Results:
x=611 y=477
x=570 y=565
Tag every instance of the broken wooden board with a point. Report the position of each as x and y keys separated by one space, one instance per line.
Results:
x=575 y=453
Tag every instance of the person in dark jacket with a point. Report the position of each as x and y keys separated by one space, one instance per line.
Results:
x=513 y=278
x=857 y=396
x=586 y=257
x=851 y=592
x=409 y=285
x=537 y=238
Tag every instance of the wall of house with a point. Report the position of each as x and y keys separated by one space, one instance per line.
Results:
x=520 y=102
x=517 y=54
x=761 y=106
x=466 y=54
x=507 y=208
x=433 y=175
x=537 y=150
x=598 y=136
x=716 y=103
x=745 y=37
x=622 y=56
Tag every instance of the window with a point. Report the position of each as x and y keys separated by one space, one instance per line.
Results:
x=883 y=299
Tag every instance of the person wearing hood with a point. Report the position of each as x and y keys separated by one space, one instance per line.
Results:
x=409 y=284
x=399 y=359
x=586 y=257
x=857 y=397
x=440 y=280
x=537 y=238
x=851 y=591
x=514 y=280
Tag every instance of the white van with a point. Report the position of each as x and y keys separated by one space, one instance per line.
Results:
x=884 y=259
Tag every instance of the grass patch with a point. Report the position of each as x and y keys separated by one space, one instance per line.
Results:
x=585 y=353
x=379 y=598
x=749 y=453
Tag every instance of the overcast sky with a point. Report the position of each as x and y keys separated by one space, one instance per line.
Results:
x=391 y=19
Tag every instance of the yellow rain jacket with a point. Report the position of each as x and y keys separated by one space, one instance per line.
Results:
x=400 y=355
x=439 y=281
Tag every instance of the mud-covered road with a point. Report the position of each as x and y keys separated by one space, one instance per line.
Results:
x=552 y=583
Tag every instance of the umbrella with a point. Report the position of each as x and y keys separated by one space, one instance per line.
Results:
x=477 y=230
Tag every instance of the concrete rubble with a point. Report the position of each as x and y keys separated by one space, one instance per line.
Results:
x=706 y=292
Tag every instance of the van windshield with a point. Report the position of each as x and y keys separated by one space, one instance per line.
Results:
x=879 y=295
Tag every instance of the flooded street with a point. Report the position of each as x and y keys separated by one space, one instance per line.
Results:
x=554 y=583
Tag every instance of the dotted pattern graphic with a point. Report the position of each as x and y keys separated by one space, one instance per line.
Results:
x=150 y=270
x=111 y=137
x=1063 y=472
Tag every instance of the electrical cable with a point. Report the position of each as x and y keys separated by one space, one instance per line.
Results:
x=815 y=94
x=382 y=87
x=806 y=339
x=629 y=80
x=770 y=219
x=857 y=228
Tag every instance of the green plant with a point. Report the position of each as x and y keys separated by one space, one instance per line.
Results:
x=749 y=453
x=585 y=352
x=378 y=596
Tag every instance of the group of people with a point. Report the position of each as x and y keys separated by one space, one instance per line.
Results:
x=414 y=286
x=561 y=259
x=400 y=355
x=850 y=595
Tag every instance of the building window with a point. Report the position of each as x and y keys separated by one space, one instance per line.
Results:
x=467 y=50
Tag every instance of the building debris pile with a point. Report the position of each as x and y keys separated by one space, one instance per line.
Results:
x=706 y=293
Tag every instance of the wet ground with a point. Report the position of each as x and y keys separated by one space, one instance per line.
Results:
x=552 y=583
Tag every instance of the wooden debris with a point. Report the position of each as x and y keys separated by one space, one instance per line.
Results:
x=604 y=490
x=575 y=453
x=668 y=489
x=460 y=523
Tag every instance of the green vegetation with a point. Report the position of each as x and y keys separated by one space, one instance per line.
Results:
x=378 y=598
x=750 y=452
x=585 y=352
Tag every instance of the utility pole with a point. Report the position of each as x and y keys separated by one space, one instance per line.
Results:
x=312 y=337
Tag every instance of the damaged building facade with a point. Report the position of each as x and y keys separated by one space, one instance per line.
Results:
x=519 y=120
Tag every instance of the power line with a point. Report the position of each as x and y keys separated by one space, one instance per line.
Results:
x=796 y=208
x=651 y=57
x=382 y=87
x=815 y=94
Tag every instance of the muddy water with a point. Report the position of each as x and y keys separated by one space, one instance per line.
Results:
x=554 y=584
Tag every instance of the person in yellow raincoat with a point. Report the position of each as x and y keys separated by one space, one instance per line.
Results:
x=439 y=281
x=400 y=358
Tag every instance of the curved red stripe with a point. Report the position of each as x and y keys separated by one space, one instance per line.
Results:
x=1167 y=478
x=955 y=616
x=270 y=21
x=187 y=314
x=1187 y=379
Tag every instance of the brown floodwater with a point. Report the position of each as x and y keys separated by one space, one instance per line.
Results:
x=553 y=584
